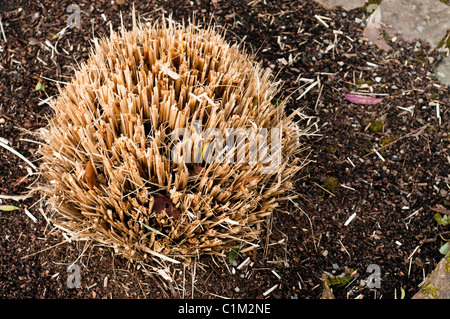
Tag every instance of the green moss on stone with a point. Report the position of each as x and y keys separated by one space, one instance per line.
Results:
x=376 y=126
x=331 y=184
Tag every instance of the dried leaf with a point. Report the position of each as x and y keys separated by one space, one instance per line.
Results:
x=276 y=102
x=8 y=208
x=91 y=178
x=445 y=249
x=234 y=252
x=152 y=229
x=362 y=99
x=175 y=213
x=197 y=169
x=441 y=220
x=440 y=209
x=40 y=86
x=327 y=292
x=163 y=203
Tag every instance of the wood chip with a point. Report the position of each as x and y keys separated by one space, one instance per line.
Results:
x=349 y=220
x=269 y=291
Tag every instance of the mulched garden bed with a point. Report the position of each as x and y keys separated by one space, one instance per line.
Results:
x=391 y=191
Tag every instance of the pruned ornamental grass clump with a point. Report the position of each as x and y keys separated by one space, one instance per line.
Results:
x=128 y=162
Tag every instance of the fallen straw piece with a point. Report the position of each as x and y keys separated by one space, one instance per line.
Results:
x=66 y=237
x=320 y=19
x=15 y=197
x=18 y=154
x=349 y=220
x=379 y=155
x=268 y=291
x=348 y=187
x=350 y=161
x=170 y=73
x=307 y=89
x=408 y=109
x=2 y=30
x=438 y=114
x=276 y=274
x=34 y=219
x=245 y=262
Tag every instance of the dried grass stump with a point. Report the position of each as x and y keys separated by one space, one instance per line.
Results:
x=108 y=158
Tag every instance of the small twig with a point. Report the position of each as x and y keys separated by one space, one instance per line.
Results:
x=318 y=97
x=324 y=189
x=408 y=109
x=193 y=279
x=245 y=262
x=414 y=213
x=350 y=161
x=400 y=138
x=348 y=187
x=345 y=249
x=414 y=251
x=159 y=285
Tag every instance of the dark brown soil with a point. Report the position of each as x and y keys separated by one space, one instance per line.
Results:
x=393 y=228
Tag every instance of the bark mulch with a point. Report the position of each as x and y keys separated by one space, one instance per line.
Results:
x=319 y=55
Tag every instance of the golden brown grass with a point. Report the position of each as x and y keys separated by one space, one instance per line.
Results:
x=107 y=161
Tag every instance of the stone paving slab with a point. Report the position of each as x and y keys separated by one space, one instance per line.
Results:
x=411 y=20
x=437 y=285
x=416 y=19
x=345 y=4
x=443 y=71
x=373 y=30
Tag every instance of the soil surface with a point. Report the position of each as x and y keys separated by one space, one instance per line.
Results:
x=392 y=191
